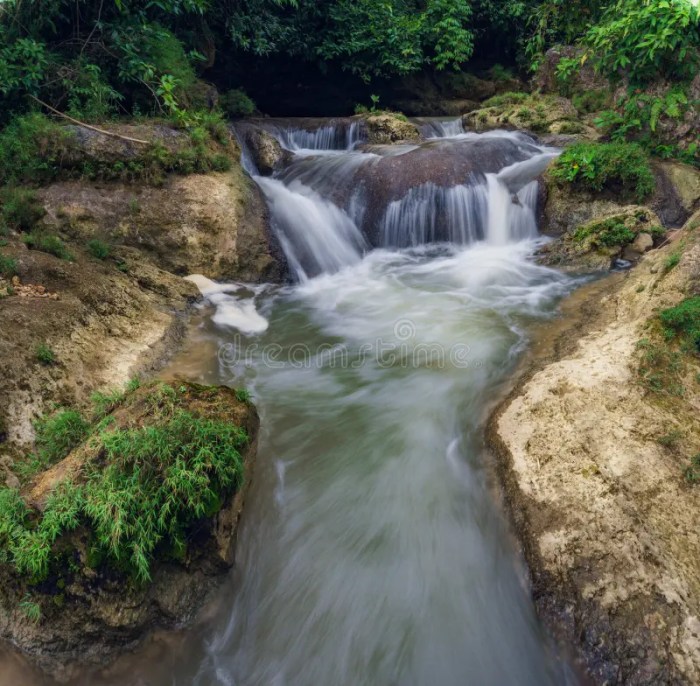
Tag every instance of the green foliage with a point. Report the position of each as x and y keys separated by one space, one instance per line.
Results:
x=31 y=150
x=30 y=609
x=44 y=354
x=8 y=266
x=99 y=249
x=48 y=243
x=20 y=208
x=647 y=39
x=684 y=321
x=638 y=115
x=622 y=168
x=58 y=434
x=236 y=103
x=140 y=493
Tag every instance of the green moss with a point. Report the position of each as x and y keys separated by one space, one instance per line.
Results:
x=571 y=127
x=236 y=103
x=622 y=168
x=506 y=99
x=683 y=321
x=8 y=266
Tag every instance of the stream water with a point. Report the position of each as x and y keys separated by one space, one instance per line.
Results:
x=372 y=551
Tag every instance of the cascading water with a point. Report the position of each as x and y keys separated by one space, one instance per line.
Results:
x=371 y=551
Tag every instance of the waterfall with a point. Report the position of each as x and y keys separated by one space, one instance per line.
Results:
x=332 y=205
x=316 y=235
x=432 y=127
x=428 y=213
x=340 y=135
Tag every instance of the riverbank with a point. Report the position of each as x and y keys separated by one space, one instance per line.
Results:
x=594 y=458
x=118 y=511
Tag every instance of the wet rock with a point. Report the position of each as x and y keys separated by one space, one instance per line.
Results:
x=585 y=78
x=213 y=224
x=269 y=156
x=438 y=163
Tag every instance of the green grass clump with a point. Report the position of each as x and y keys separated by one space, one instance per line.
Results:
x=99 y=249
x=672 y=261
x=506 y=99
x=8 y=266
x=661 y=368
x=683 y=321
x=622 y=168
x=44 y=354
x=57 y=435
x=148 y=479
x=20 y=208
x=692 y=471
x=48 y=243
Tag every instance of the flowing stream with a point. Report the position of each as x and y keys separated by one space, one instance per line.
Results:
x=373 y=551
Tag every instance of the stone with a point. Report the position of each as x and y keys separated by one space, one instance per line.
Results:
x=642 y=243
x=269 y=156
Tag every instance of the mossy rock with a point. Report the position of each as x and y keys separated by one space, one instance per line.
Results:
x=388 y=128
x=595 y=244
x=541 y=114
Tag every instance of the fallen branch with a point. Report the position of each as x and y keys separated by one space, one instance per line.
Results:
x=88 y=126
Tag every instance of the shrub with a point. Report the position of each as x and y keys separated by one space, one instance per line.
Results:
x=99 y=249
x=506 y=99
x=237 y=104
x=50 y=244
x=8 y=266
x=684 y=321
x=32 y=148
x=44 y=354
x=616 y=167
x=20 y=209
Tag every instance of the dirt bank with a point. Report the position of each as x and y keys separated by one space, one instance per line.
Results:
x=593 y=466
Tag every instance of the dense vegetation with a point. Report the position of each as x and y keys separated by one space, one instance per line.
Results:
x=99 y=59
x=152 y=465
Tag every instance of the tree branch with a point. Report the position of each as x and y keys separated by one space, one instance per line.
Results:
x=88 y=126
